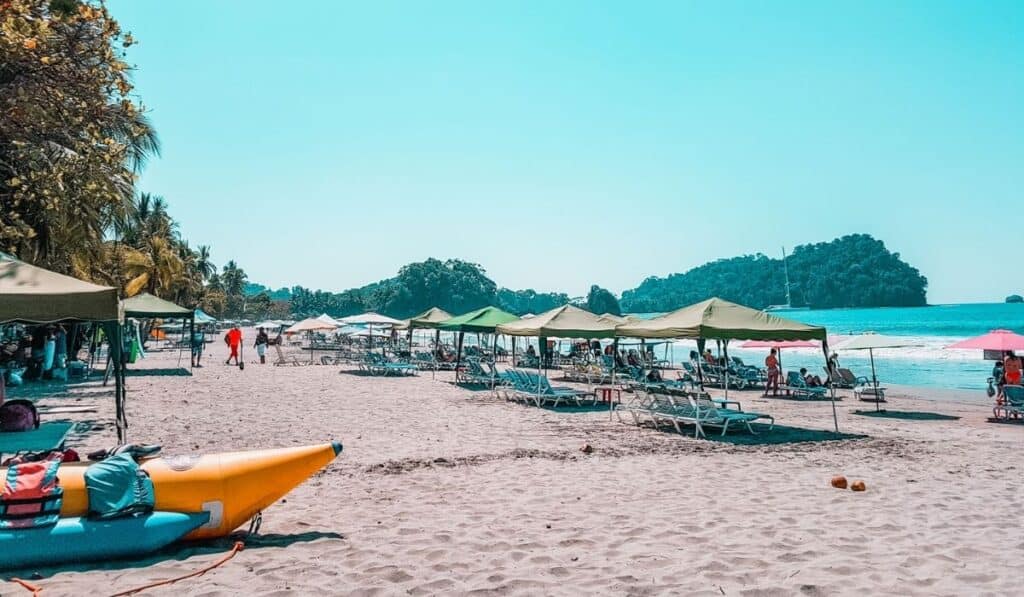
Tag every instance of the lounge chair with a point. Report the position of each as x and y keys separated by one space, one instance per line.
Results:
x=377 y=364
x=710 y=414
x=844 y=378
x=798 y=388
x=1012 y=406
x=530 y=387
x=282 y=359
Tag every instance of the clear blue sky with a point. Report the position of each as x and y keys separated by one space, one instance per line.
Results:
x=561 y=144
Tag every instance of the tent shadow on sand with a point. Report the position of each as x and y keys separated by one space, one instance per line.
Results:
x=906 y=415
x=160 y=372
x=572 y=409
x=779 y=435
x=177 y=552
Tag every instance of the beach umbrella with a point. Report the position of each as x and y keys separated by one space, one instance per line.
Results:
x=1001 y=340
x=328 y=319
x=309 y=326
x=371 y=319
x=870 y=341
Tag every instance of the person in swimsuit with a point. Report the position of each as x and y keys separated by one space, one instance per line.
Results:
x=771 y=363
x=1012 y=369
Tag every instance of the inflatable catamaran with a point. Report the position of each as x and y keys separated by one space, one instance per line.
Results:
x=194 y=497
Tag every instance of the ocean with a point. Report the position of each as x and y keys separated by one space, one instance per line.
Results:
x=931 y=329
x=928 y=363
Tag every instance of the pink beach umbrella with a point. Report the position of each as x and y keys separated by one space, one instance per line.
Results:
x=1001 y=340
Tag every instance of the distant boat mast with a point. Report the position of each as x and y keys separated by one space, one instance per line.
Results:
x=785 y=269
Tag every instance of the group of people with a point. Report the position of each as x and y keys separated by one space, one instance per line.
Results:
x=233 y=340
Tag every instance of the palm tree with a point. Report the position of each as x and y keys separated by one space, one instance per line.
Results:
x=234 y=279
x=203 y=265
x=157 y=268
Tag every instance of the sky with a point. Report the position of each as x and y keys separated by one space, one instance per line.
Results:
x=564 y=144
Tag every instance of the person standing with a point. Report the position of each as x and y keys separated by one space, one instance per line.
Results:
x=771 y=363
x=234 y=341
x=198 y=342
x=262 y=340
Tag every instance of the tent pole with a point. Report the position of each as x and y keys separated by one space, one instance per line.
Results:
x=458 y=357
x=725 y=353
x=701 y=343
x=832 y=386
x=874 y=378
x=437 y=347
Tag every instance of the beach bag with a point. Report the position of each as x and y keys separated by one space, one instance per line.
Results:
x=118 y=487
x=18 y=415
x=31 y=495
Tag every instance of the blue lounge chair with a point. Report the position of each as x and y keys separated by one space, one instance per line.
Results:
x=798 y=388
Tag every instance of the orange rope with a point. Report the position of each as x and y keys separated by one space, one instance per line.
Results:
x=237 y=547
x=234 y=550
x=31 y=587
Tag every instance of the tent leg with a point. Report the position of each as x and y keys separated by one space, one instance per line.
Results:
x=832 y=386
x=458 y=357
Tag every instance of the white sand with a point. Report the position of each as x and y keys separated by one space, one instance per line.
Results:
x=445 y=490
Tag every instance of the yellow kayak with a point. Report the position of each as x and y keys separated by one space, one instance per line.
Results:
x=232 y=487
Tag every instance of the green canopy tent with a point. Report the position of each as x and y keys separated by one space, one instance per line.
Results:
x=33 y=295
x=717 y=319
x=147 y=306
x=483 y=321
x=430 y=319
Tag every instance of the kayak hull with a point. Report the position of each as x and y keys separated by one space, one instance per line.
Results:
x=78 y=539
x=231 y=487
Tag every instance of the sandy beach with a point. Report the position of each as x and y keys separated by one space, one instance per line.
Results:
x=446 y=490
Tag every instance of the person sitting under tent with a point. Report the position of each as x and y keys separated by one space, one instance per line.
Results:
x=813 y=381
x=1012 y=369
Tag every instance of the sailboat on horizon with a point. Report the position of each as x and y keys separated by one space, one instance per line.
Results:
x=789 y=301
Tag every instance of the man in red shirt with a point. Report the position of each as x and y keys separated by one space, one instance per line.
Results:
x=234 y=340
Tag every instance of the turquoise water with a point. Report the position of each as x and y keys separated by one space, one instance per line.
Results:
x=931 y=329
x=928 y=363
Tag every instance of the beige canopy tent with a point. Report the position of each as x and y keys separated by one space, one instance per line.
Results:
x=147 y=306
x=33 y=295
x=717 y=319
x=430 y=319
x=566 y=321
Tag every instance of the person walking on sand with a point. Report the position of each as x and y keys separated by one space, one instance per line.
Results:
x=771 y=363
x=198 y=342
x=262 y=340
x=234 y=341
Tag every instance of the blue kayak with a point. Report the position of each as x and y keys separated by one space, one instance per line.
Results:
x=77 y=539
